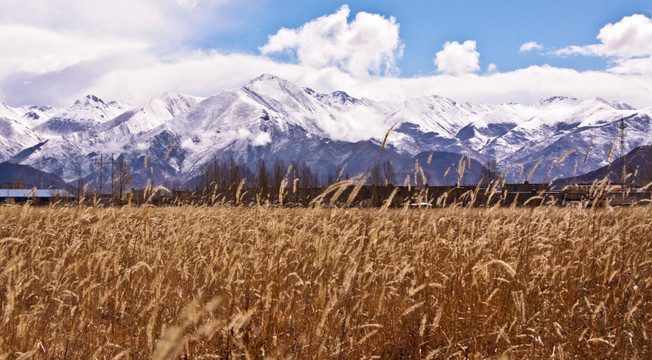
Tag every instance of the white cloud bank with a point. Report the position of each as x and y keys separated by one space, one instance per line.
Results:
x=458 y=59
x=52 y=62
x=370 y=43
x=34 y=50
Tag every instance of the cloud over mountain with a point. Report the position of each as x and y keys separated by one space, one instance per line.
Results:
x=369 y=43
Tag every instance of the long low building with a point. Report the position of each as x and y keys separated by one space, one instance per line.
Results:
x=40 y=195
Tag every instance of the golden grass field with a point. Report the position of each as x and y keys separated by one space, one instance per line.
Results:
x=259 y=282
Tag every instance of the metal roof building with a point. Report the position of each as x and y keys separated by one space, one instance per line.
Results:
x=42 y=195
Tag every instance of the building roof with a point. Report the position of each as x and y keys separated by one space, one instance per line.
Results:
x=28 y=193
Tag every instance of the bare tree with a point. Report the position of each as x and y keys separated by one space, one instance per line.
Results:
x=123 y=176
x=263 y=176
x=388 y=171
x=490 y=172
x=376 y=175
x=279 y=169
x=302 y=171
x=80 y=182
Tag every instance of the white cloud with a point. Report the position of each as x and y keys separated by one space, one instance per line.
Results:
x=370 y=43
x=642 y=66
x=529 y=46
x=628 y=43
x=53 y=56
x=206 y=73
x=188 y=4
x=28 y=49
x=164 y=24
x=630 y=37
x=243 y=133
x=262 y=139
x=524 y=86
x=458 y=59
x=51 y=50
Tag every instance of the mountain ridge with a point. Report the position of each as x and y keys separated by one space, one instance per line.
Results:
x=638 y=165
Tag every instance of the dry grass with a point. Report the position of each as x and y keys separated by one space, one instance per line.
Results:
x=83 y=283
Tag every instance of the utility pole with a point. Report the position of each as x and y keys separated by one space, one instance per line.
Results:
x=40 y=166
x=112 y=177
x=101 y=173
x=622 y=126
x=101 y=163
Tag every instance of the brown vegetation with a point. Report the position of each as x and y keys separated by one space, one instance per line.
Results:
x=84 y=282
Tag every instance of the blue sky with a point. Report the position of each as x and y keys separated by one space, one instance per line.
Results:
x=499 y=27
x=56 y=51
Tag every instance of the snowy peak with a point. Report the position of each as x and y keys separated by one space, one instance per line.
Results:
x=571 y=101
x=557 y=100
x=268 y=79
x=435 y=114
x=272 y=87
x=83 y=115
x=93 y=108
x=614 y=104
x=8 y=112
x=90 y=99
x=37 y=114
x=151 y=114
x=336 y=98
x=174 y=104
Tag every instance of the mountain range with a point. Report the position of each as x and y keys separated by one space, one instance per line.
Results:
x=172 y=137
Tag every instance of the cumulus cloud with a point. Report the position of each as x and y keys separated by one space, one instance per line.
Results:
x=529 y=46
x=630 y=37
x=369 y=43
x=627 y=42
x=458 y=59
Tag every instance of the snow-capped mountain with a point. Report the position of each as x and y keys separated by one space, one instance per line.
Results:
x=14 y=135
x=14 y=132
x=8 y=112
x=78 y=153
x=84 y=114
x=35 y=115
x=172 y=137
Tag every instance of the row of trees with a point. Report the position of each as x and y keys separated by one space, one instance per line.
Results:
x=225 y=176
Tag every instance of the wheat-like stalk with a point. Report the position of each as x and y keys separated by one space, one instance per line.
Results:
x=261 y=281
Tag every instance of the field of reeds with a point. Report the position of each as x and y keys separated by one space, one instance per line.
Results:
x=260 y=282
